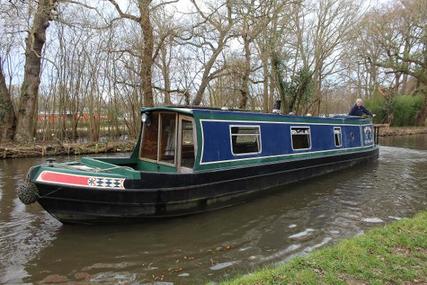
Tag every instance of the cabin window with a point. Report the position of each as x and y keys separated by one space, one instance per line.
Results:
x=187 y=144
x=167 y=137
x=338 y=136
x=150 y=137
x=245 y=140
x=300 y=138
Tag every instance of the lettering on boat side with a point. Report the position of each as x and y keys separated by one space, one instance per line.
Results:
x=51 y=177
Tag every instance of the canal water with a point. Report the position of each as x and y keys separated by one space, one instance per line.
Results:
x=294 y=220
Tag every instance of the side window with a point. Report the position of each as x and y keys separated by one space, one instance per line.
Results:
x=245 y=140
x=300 y=138
x=338 y=136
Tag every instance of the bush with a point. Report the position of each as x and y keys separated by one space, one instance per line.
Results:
x=406 y=109
x=379 y=106
x=401 y=110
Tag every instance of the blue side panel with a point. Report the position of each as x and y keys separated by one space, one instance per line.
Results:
x=216 y=141
x=322 y=137
x=351 y=136
x=275 y=139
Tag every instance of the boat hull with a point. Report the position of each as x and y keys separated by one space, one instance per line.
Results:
x=160 y=195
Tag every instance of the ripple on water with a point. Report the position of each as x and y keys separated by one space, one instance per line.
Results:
x=325 y=241
x=372 y=220
x=281 y=253
x=220 y=266
x=302 y=235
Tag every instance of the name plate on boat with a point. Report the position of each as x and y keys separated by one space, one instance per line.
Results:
x=368 y=137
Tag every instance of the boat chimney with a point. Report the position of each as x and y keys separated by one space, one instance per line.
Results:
x=276 y=106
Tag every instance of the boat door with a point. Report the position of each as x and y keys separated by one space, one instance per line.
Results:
x=186 y=144
x=158 y=142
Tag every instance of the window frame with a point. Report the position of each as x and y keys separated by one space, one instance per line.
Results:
x=180 y=168
x=340 y=136
x=245 y=126
x=309 y=137
x=159 y=135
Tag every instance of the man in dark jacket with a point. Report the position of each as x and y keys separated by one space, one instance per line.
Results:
x=358 y=109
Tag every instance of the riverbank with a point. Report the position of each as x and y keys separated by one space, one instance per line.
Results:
x=401 y=131
x=393 y=254
x=54 y=149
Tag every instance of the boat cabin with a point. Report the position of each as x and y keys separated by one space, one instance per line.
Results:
x=186 y=140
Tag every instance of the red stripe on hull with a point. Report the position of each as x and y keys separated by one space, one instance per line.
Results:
x=64 y=178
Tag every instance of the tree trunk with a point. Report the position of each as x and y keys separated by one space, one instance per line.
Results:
x=147 y=52
x=266 y=101
x=277 y=73
x=166 y=76
x=206 y=76
x=244 y=91
x=30 y=86
x=7 y=113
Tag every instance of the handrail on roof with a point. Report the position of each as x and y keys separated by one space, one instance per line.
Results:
x=189 y=108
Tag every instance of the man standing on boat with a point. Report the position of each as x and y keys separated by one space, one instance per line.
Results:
x=358 y=109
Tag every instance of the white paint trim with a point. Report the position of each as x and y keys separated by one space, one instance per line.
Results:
x=340 y=137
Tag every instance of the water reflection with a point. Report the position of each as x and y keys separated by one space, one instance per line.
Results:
x=212 y=246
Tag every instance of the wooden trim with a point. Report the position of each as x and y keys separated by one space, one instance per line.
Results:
x=179 y=167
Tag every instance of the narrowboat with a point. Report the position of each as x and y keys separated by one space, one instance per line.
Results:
x=191 y=160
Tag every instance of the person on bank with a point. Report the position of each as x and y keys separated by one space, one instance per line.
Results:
x=359 y=110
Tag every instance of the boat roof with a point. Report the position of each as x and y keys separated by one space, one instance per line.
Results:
x=237 y=114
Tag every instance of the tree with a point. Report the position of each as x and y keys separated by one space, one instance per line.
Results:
x=7 y=112
x=34 y=43
x=220 y=27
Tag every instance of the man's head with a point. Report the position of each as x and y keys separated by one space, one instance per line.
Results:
x=359 y=102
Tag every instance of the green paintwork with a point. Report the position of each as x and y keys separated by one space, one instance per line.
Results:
x=105 y=167
x=267 y=160
x=149 y=166
x=198 y=155
x=248 y=116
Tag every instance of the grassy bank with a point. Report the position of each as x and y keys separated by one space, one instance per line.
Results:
x=51 y=149
x=393 y=254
